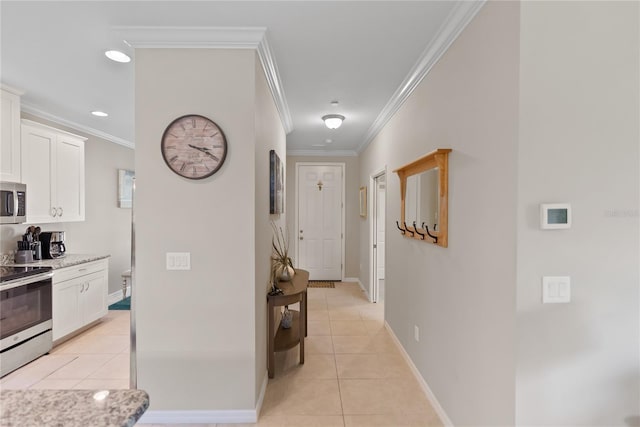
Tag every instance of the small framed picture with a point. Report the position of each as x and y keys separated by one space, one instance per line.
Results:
x=363 y=202
x=125 y=188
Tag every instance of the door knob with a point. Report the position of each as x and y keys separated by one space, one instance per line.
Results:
x=301 y=238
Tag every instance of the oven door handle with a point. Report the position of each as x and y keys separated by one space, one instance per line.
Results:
x=25 y=281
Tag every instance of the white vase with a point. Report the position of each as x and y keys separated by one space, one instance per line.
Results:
x=286 y=273
x=287 y=318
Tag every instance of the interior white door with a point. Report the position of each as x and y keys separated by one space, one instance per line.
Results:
x=320 y=221
x=380 y=233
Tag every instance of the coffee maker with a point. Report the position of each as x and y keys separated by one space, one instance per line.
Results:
x=52 y=244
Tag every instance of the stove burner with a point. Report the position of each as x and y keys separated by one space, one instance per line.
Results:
x=8 y=272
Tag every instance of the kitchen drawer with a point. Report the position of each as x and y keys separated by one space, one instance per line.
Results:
x=79 y=270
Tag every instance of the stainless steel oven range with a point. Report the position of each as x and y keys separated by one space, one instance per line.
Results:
x=25 y=315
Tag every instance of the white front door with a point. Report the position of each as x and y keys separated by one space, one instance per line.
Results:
x=320 y=221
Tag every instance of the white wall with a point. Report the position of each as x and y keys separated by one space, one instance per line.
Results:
x=107 y=228
x=196 y=329
x=270 y=135
x=352 y=205
x=579 y=363
x=463 y=297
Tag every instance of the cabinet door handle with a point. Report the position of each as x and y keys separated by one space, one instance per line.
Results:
x=88 y=284
x=53 y=212
x=60 y=211
x=82 y=288
x=82 y=269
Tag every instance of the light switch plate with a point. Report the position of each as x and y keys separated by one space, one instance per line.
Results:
x=556 y=289
x=178 y=261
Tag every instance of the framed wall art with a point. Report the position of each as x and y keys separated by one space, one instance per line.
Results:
x=363 y=202
x=125 y=188
x=276 y=184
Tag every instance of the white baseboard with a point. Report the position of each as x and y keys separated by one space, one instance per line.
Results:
x=446 y=421
x=263 y=390
x=117 y=296
x=199 y=417
x=208 y=417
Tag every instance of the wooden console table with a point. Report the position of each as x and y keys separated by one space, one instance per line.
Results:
x=281 y=339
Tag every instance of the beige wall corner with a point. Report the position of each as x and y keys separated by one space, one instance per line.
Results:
x=270 y=135
x=195 y=329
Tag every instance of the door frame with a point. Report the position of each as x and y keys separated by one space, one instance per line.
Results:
x=373 y=295
x=342 y=219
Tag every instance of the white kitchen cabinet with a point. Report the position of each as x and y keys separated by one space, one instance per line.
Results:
x=53 y=169
x=10 y=135
x=79 y=296
x=66 y=308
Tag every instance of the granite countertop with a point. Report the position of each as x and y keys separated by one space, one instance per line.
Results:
x=71 y=408
x=68 y=260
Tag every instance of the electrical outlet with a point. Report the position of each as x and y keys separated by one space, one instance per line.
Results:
x=416 y=333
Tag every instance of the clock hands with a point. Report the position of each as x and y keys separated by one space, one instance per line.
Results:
x=205 y=151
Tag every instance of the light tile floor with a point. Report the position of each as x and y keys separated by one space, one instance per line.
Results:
x=354 y=375
x=96 y=359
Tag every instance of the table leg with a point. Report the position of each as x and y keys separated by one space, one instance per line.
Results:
x=302 y=328
x=304 y=299
x=270 y=338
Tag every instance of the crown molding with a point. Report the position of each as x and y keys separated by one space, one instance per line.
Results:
x=77 y=126
x=191 y=37
x=317 y=153
x=275 y=84
x=217 y=38
x=11 y=89
x=456 y=22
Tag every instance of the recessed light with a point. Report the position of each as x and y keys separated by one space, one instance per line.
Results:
x=318 y=145
x=328 y=141
x=100 y=113
x=334 y=103
x=116 y=55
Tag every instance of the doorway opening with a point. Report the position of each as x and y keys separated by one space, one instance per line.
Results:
x=377 y=256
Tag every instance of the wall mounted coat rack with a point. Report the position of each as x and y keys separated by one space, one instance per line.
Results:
x=424 y=197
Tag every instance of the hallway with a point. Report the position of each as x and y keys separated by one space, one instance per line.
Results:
x=353 y=375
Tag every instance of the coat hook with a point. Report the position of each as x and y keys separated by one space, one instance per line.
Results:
x=426 y=228
x=419 y=233
x=406 y=228
x=399 y=228
x=319 y=184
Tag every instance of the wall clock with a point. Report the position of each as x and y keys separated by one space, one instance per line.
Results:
x=193 y=146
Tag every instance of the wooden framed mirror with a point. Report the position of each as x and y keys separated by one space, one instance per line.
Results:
x=424 y=198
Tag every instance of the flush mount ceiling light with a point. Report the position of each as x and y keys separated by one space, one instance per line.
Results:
x=333 y=121
x=99 y=113
x=116 y=55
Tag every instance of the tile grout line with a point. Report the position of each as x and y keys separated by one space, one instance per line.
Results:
x=335 y=361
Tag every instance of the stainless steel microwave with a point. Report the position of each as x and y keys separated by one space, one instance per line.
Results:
x=13 y=203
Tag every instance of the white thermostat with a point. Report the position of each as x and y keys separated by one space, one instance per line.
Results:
x=554 y=216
